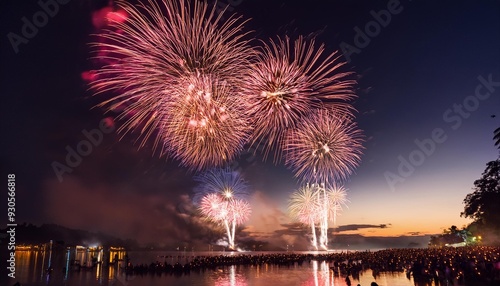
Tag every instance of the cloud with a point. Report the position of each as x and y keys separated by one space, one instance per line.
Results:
x=414 y=233
x=270 y=227
x=163 y=213
x=360 y=242
x=351 y=227
x=299 y=235
x=266 y=215
x=166 y=218
x=169 y=218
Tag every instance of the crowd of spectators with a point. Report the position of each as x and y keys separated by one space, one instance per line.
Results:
x=441 y=265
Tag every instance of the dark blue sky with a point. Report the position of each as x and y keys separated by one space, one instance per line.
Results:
x=427 y=59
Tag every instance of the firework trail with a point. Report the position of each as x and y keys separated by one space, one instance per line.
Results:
x=315 y=204
x=204 y=126
x=228 y=212
x=220 y=190
x=305 y=207
x=325 y=148
x=286 y=83
x=331 y=200
x=239 y=213
x=154 y=53
x=216 y=209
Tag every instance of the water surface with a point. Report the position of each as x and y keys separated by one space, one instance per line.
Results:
x=31 y=265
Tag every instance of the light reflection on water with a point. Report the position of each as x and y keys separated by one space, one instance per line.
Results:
x=31 y=270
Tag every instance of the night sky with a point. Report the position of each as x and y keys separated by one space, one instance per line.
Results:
x=430 y=74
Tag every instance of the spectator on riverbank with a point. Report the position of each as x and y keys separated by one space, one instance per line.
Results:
x=443 y=265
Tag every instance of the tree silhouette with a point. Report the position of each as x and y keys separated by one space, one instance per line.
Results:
x=482 y=204
x=452 y=235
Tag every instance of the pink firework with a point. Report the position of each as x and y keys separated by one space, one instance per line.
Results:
x=287 y=83
x=337 y=199
x=324 y=148
x=207 y=126
x=223 y=188
x=151 y=54
x=306 y=207
x=240 y=211
x=214 y=207
x=223 y=208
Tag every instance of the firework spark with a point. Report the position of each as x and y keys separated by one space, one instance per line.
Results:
x=337 y=200
x=331 y=200
x=304 y=204
x=324 y=148
x=223 y=181
x=214 y=207
x=153 y=52
x=305 y=207
x=287 y=82
x=240 y=211
x=228 y=212
x=316 y=205
x=220 y=203
x=207 y=126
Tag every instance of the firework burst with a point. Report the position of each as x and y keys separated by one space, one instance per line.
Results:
x=240 y=211
x=305 y=207
x=337 y=200
x=315 y=204
x=226 y=183
x=221 y=190
x=214 y=207
x=228 y=212
x=207 y=126
x=304 y=204
x=155 y=49
x=286 y=83
x=324 y=148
